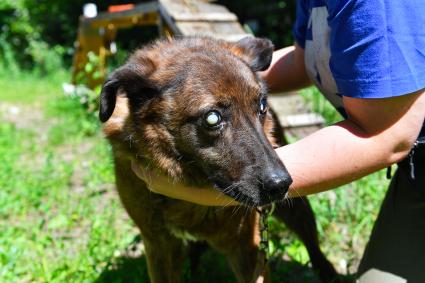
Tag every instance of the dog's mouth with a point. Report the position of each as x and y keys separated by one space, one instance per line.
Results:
x=253 y=197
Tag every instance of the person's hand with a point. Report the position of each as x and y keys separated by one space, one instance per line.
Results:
x=163 y=185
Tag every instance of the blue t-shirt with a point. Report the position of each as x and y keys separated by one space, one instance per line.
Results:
x=363 y=48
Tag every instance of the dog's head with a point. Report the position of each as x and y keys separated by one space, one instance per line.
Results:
x=198 y=112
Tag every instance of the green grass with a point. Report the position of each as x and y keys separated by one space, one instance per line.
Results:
x=30 y=88
x=61 y=220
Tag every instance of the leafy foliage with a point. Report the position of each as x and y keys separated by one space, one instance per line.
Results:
x=271 y=18
x=21 y=44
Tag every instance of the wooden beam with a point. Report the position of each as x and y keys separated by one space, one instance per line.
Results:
x=231 y=31
x=168 y=20
x=204 y=17
x=301 y=120
x=127 y=21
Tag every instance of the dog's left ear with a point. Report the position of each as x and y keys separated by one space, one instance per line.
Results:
x=256 y=52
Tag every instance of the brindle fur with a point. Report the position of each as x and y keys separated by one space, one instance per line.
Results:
x=153 y=108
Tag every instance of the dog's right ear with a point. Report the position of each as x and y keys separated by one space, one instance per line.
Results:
x=133 y=79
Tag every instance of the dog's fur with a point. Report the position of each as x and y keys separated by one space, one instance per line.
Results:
x=155 y=108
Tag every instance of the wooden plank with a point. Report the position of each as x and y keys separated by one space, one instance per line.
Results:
x=295 y=116
x=204 y=17
x=301 y=120
x=186 y=17
x=227 y=31
x=213 y=28
x=127 y=21
x=192 y=6
x=168 y=20
x=189 y=10
x=288 y=104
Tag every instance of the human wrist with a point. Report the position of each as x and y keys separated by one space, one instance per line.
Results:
x=163 y=185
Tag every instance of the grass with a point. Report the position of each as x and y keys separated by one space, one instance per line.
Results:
x=61 y=220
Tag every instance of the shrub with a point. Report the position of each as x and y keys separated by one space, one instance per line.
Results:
x=21 y=46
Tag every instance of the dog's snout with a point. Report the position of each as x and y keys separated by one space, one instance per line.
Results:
x=277 y=182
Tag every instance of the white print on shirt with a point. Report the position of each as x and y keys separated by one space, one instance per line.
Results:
x=317 y=55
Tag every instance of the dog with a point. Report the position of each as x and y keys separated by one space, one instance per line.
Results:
x=196 y=110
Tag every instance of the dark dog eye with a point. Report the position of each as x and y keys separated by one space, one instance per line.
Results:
x=263 y=106
x=213 y=118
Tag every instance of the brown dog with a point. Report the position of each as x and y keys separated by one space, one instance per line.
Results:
x=196 y=110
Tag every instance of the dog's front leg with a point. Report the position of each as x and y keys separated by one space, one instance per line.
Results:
x=238 y=239
x=164 y=252
x=249 y=266
x=165 y=256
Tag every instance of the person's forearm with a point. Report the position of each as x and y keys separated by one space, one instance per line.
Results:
x=287 y=70
x=378 y=133
x=202 y=196
x=334 y=156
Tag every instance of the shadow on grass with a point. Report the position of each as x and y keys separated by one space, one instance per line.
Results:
x=125 y=270
x=212 y=268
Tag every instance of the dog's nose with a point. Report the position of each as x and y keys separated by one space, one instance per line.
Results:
x=277 y=182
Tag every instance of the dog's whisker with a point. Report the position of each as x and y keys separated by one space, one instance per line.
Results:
x=237 y=206
x=288 y=202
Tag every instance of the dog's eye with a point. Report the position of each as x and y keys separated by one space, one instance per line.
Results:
x=263 y=106
x=212 y=118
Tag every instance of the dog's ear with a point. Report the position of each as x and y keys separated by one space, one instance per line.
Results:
x=133 y=79
x=256 y=52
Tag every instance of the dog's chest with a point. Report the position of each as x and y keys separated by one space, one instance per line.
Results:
x=188 y=221
x=182 y=233
x=182 y=218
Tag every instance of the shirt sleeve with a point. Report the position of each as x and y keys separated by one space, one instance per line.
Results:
x=299 y=30
x=377 y=47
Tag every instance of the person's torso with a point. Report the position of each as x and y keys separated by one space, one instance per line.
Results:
x=318 y=51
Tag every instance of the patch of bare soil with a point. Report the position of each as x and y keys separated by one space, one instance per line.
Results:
x=25 y=117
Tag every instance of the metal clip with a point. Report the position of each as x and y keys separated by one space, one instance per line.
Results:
x=411 y=161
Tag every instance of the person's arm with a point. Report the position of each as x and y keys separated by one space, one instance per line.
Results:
x=163 y=185
x=379 y=132
x=287 y=70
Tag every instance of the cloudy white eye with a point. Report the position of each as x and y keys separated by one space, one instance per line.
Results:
x=263 y=106
x=212 y=118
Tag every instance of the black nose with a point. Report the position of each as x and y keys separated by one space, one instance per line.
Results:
x=277 y=183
